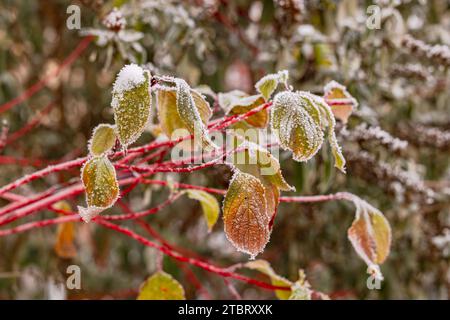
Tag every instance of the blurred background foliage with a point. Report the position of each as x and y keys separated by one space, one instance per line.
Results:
x=401 y=88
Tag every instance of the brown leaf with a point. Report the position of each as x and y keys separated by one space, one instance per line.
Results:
x=245 y=214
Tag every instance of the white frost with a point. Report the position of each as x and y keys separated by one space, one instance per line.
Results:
x=128 y=78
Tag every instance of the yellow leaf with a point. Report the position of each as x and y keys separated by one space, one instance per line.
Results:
x=370 y=234
x=245 y=215
x=64 y=246
x=237 y=102
x=168 y=113
x=209 y=204
x=161 y=286
x=264 y=267
x=103 y=139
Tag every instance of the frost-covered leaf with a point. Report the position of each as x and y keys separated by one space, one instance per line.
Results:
x=167 y=111
x=189 y=112
x=237 y=102
x=370 y=235
x=344 y=103
x=102 y=189
x=103 y=139
x=258 y=161
x=65 y=235
x=206 y=90
x=168 y=115
x=297 y=119
x=131 y=103
x=209 y=204
x=245 y=215
x=161 y=286
x=267 y=84
x=339 y=160
x=297 y=123
x=301 y=289
x=264 y=267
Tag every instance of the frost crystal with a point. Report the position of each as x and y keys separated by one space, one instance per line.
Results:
x=129 y=77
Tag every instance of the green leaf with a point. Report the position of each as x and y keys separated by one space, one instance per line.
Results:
x=210 y=206
x=259 y=162
x=264 y=267
x=245 y=214
x=339 y=160
x=297 y=124
x=161 y=286
x=102 y=189
x=190 y=114
x=131 y=103
x=103 y=139
x=267 y=84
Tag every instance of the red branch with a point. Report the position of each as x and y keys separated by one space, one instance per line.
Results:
x=201 y=264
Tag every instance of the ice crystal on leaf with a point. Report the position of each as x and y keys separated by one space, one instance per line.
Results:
x=103 y=139
x=188 y=110
x=370 y=235
x=102 y=189
x=245 y=215
x=131 y=103
x=237 y=102
x=297 y=120
x=268 y=84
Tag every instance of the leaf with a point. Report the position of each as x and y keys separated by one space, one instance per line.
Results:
x=297 y=124
x=336 y=92
x=167 y=111
x=209 y=204
x=237 y=102
x=267 y=84
x=103 y=139
x=161 y=286
x=65 y=235
x=102 y=189
x=339 y=160
x=245 y=215
x=168 y=115
x=264 y=267
x=131 y=103
x=259 y=162
x=64 y=245
x=370 y=234
x=301 y=289
x=190 y=114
